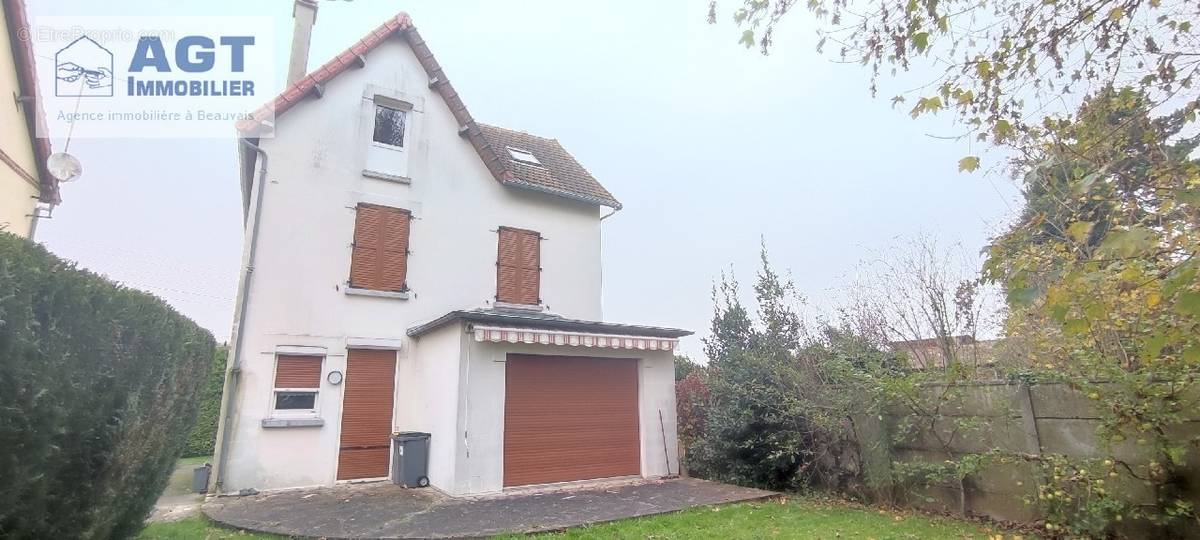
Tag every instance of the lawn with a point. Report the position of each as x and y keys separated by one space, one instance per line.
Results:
x=794 y=518
x=197 y=528
x=195 y=460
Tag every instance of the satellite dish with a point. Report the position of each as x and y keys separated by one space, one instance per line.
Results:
x=63 y=166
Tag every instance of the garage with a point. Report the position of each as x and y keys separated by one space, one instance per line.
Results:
x=570 y=418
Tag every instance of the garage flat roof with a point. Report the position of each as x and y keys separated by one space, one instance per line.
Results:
x=530 y=319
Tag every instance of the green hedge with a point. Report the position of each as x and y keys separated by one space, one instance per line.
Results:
x=99 y=386
x=204 y=434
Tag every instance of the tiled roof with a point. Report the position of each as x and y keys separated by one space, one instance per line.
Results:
x=561 y=174
x=35 y=118
x=306 y=86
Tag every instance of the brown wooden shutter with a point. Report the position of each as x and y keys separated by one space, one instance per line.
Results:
x=294 y=371
x=518 y=267
x=367 y=414
x=380 y=258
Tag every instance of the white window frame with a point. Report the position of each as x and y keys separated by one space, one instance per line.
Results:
x=513 y=151
x=315 y=411
x=384 y=161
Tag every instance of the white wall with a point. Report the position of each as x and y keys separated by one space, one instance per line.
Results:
x=296 y=296
x=430 y=394
x=482 y=470
x=285 y=457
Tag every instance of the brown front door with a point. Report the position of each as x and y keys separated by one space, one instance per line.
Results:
x=367 y=414
x=570 y=418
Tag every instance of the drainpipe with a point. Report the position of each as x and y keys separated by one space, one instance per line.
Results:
x=36 y=217
x=602 y=218
x=33 y=220
x=233 y=370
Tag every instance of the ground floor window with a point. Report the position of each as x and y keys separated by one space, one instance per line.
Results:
x=297 y=383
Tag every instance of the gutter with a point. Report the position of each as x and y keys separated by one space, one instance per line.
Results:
x=233 y=368
x=28 y=97
x=550 y=323
x=611 y=203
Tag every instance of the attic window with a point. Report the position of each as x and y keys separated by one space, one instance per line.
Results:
x=389 y=126
x=524 y=156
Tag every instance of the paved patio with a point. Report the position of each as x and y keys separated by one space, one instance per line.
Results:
x=382 y=510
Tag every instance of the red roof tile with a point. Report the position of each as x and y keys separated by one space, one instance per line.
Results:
x=562 y=174
x=559 y=172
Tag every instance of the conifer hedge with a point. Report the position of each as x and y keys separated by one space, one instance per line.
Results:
x=99 y=386
x=203 y=437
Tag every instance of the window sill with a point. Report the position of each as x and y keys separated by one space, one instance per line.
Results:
x=386 y=177
x=533 y=308
x=269 y=423
x=354 y=291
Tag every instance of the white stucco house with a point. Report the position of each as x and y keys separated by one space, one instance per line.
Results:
x=410 y=269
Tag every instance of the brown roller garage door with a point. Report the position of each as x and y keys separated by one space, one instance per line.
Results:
x=570 y=418
x=367 y=414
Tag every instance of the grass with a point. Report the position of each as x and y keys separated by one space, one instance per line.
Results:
x=792 y=518
x=195 y=460
x=789 y=518
x=197 y=528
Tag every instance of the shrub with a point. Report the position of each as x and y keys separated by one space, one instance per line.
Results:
x=203 y=436
x=691 y=401
x=684 y=366
x=99 y=385
x=770 y=420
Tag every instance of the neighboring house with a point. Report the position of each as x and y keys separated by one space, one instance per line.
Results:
x=931 y=353
x=410 y=269
x=25 y=184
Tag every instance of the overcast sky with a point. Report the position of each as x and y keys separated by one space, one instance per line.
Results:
x=708 y=145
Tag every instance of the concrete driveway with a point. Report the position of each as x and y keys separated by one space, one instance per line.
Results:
x=382 y=510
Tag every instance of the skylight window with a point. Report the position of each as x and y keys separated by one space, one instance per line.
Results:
x=524 y=156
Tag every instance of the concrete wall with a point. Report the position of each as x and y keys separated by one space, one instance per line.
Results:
x=297 y=295
x=481 y=464
x=17 y=195
x=1041 y=419
x=431 y=400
